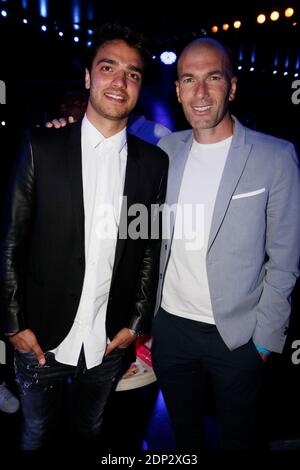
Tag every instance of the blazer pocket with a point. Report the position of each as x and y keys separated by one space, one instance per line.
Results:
x=250 y=194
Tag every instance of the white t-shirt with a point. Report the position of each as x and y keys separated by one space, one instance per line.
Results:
x=186 y=290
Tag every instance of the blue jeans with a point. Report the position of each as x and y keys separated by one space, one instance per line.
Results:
x=42 y=389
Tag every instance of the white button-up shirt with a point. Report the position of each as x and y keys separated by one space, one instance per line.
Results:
x=103 y=175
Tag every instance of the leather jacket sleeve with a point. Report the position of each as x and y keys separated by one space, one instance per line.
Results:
x=148 y=276
x=17 y=213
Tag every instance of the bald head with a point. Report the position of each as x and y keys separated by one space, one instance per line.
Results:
x=206 y=44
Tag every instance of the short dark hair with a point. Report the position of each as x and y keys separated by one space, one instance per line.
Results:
x=116 y=31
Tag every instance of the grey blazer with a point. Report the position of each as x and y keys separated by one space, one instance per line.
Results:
x=254 y=244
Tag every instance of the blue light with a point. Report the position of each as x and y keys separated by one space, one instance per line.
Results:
x=90 y=32
x=76 y=26
x=25 y=21
x=287 y=62
x=44 y=27
x=76 y=11
x=296 y=74
x=89 y=43
x=44 y=8
x=251 y=69
x=241 y=55
x=168 y=57
x=276 y=60
x=274 y=72
x=253 y=56
x=90 y=13
x=4 y=13
x=285 y=73
x=154 y=57
x=61 y=34
x=76 y=39
x=240 y=67
x=24 y=4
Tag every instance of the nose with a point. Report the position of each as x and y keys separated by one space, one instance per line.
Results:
x=201 y=89
x=120 y=80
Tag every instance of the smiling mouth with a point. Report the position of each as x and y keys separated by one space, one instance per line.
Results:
x=116 y=97
x=201 y=108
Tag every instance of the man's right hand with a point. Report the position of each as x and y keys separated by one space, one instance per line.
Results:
x=26 y=341
x=57 y=123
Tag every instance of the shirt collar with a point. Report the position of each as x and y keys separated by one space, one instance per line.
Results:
x=95 y=138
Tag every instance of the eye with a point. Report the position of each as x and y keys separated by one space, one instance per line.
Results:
x=134 y=76
x=215 y=77
x=187 y=80
x=106 y=68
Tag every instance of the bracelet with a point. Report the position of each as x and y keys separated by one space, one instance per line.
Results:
x=266 y=352
x=136 y=333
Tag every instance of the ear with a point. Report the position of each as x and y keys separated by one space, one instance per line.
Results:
x=233 y=86
x=87 y=79
x=177 y=91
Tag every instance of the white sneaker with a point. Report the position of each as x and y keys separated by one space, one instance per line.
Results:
x=8 y=402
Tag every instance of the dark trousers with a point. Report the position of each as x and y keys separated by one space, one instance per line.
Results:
x=185 y=353
x=42 y=396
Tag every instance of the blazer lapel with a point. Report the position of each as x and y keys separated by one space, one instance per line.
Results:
x=236 y=160
x=74 y=157
x=130 y=185
x=176 y=170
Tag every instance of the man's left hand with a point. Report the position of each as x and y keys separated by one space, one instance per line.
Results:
x=122 y=339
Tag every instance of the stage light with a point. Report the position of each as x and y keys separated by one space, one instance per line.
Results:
x=296 y=74
x=154 y=57
x=3 y=123
x=285 y=73
x=76 y=26
x=261 y=19
x=289 y=12
x=225 y=27
x=251 y=69
x=44 y=8
x=4 y=13
x=76 y=39
x=168 y=57
x=215 y=29
x=25 y=21
x=90 y=32
x=237 y=24
x=240 y=67
x=274 y=15
x=274 y=72
x=61 y=34
x=44 y=27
